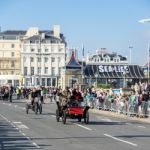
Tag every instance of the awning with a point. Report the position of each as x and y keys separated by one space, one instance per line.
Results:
x=113 y=71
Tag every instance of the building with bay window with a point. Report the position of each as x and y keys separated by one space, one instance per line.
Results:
x=42 y=57
x=10 y=56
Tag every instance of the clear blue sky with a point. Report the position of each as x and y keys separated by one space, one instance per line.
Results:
x=112 y=24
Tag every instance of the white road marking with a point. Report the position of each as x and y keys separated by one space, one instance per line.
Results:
x=53 y=116
x=83 y=127
x=17 y=122
x=36 y=145
x=120 y=140
x=128 y=123
x=141 y=127
x=20 y=125
x=28 y=138
x=23 y=134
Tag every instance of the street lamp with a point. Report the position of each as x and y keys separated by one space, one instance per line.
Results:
x=96 y=75
x=130 y=49
x=124 y=82
x=148 y=61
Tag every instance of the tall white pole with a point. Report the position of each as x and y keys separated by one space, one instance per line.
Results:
x=130 y=49
x=82 y=64
x=148 y=63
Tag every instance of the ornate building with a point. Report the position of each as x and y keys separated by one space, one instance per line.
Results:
x=10 y=67
x=103 y=57
x=42 y=57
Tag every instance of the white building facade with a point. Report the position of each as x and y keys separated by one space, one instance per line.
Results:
x=103 y=57
x=43 y=56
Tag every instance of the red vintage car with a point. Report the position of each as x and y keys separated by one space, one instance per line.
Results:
x=74 y=110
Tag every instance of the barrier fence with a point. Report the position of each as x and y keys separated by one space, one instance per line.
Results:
x=130 y=108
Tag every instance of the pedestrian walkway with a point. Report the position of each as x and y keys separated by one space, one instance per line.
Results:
x=117 y=115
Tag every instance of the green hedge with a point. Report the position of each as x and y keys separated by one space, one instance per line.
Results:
x=104 y=86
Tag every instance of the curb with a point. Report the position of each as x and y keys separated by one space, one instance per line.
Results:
x=120 y=116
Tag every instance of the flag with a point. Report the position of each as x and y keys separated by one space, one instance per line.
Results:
x=83 y=50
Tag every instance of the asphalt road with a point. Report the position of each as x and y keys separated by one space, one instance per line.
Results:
x=19 y=131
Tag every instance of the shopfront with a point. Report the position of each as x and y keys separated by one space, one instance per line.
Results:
x=118 y=75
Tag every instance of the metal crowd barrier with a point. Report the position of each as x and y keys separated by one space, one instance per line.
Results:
x=120 y=107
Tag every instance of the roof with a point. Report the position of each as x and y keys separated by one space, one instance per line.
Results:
x=113 y=55
x=114 y=71
x=53 y=39
x=15 y=34
x=73 y=63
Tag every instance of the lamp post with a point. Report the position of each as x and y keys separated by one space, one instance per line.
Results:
x=124 y=82
x=96 y=75
x=130 y=50
x=148 y=61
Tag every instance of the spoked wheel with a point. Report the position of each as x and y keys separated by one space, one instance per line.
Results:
x=86 y=118
x=57 y=115
x=40 y=108
x=64 y=117
x=27 y=109
x=79 y=119
x=36 y=109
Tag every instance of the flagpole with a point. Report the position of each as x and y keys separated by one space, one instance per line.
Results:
x=148 y=61
x=82 y=64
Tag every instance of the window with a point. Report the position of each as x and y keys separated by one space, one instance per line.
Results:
x=13 y=63
x=53 y=59
x=39 y=59
x=32 y=59
x=59 y=71
x=59 y=60
x=32 y=50
x=39 y=70
x=25 y=71
x=53 y=71
x=24 y=59
x=39 y=50
x=12 y=72
x=46 y=70
x=12 y=45
x=45 y=59
x=118 y=60
x=46 y=50
x=32 y=70
x=60 y=49
x=12 y=54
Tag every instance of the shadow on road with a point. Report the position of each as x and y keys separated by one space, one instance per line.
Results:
x=106 y=123
x=133 y=136
x=11 y=139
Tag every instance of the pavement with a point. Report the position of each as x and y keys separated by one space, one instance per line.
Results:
x=21 y=131
x=118 y=115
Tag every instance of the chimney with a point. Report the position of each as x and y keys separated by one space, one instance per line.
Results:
x=32 y=31
x=56 y=31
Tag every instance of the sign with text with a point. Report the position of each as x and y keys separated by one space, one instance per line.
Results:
x=112 y=68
